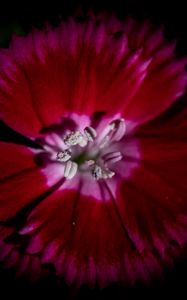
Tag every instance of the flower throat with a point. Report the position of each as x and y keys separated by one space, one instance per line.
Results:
x=88 y=151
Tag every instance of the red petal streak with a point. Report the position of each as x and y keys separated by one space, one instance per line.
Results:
x=163 y=150
x=15 y=99
x=85 y=67
x=85 y=247
x=159 y=204
x=66 y=226
x=158 y=91
x=47 y=72
x=21 y=181
x=14 y=159
x=170 y=126
x=20 y=190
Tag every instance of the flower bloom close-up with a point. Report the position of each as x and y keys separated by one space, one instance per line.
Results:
x=102 y=196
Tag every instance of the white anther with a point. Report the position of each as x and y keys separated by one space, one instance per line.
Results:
x=99 y=173
x=90 y=133
x=64 y=155
x=112 y=157
x=108 y=174
x=118 y=129
x=82 y=142
x=70 y=169
x=75 y=138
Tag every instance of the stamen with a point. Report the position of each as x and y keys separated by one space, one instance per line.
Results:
x=90 y=133
x=75 y=138
x=64 y=155
x=118 y=129
x=108 y=174
x=92 y=159
x=70 y=169
x=99 y=173
x=115 y=131
x=48 y=149
x=104 y=142
x=112 y=157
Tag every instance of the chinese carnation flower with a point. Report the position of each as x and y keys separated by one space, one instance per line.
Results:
x=103 y=196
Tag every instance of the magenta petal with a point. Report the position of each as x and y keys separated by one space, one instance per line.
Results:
x=68 y=66
x=125 y=225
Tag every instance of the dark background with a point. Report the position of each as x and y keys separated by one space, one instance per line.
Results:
x=20 y=18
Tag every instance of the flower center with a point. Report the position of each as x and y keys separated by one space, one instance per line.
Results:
x=88 y=151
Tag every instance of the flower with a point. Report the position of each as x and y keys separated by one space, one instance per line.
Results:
x=102 y=197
